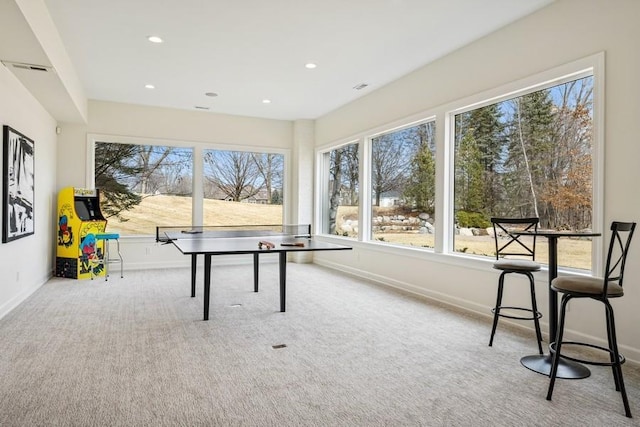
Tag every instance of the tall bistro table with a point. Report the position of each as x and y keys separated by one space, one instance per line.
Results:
x=541 y=363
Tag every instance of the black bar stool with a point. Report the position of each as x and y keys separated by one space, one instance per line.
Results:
x=514 y=254
x=599 y=289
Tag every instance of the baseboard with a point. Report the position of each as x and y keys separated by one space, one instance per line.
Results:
x=8 y=306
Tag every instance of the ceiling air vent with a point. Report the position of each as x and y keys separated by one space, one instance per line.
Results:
x=360 y=86
x=28 y=67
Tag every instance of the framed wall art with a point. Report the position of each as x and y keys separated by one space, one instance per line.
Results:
x=18 y=185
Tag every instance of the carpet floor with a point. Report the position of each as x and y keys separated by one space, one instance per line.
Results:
x=134 y=351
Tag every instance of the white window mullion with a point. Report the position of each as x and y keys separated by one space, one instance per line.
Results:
x=197 y=207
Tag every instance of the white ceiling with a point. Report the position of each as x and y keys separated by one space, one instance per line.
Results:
x=250 y=50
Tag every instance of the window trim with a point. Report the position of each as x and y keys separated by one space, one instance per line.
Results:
x=322 y=187
x=197 y=207
x=369 y=208
x=589 y=66
x=444 y=121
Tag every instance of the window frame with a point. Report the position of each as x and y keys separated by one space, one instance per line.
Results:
x=444 y=117
x=322 y=187
x=197 y=208
x=368 y=237
x=589 y=66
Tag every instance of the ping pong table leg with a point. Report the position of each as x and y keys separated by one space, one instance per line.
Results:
x=207 y=284
x=283 y=280
x=194 y=264
x=255 y=272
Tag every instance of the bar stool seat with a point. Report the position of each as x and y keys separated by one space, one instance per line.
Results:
x=106 y=260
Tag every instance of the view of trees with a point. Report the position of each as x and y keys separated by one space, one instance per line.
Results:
x=126 y=173
x=527 y=156
x=343 y=181
x=403 y=167
x=402 y=173
x=243 y=176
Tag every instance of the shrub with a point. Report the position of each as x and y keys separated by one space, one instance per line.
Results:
x=472 y=220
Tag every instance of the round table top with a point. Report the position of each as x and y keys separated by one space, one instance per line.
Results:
x=560 y=233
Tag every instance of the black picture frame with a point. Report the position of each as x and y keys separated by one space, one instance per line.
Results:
x=18 y=195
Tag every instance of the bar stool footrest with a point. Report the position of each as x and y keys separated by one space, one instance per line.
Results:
x=552 y=350
x=536 y=315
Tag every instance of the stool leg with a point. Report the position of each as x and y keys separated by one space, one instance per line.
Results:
x=121 y=260
x=534 y=308
x=105 y=260
x=558 y=344
x=496 y=310
x=617 y=366
x=612 y=344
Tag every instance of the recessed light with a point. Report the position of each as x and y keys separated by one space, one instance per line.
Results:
x=310 y=65
x=211 y=94
x=155 y=39
x=150 y=86
x=266 y=101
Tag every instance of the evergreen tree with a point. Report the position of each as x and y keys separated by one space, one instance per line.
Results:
x=421 y=186
x=469 y=185
x=276 y=198
x=112 y=168
x=488 y=132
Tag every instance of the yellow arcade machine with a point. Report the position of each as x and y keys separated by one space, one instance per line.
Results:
x=79 y=254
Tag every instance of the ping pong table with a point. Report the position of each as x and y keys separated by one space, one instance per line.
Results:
x=253 y=240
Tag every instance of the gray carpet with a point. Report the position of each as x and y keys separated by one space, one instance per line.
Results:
x=135 y=352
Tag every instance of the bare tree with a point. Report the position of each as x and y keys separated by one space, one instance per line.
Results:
x=569 y=187
x=234 y=173
x=351 y=172
x=270 y=168
x=149 y=159
x=390 y=165
x=335 y=186
x=525 y=157
x=175 y=176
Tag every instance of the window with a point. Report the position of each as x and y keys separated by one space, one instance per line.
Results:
x=243 y=188
x=529 y=155
x=403 y=186
x=528 y=148
x=340 y=204
x=142 y=186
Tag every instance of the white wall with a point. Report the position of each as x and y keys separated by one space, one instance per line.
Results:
x=561 y=33
x=27 y=263
x=147 y=123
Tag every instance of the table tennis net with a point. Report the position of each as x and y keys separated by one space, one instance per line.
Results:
x=169 y=233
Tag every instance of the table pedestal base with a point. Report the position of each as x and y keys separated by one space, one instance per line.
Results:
x=541 y=363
